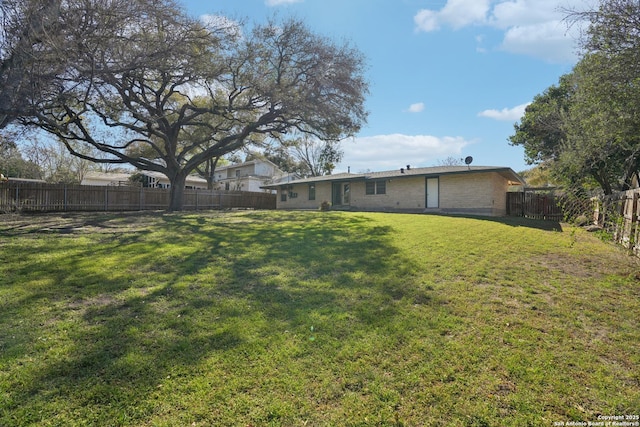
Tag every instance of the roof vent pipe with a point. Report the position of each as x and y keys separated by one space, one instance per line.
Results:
x=401 y=170
x=408 y=167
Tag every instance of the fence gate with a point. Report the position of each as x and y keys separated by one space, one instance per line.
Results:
x=534 y=204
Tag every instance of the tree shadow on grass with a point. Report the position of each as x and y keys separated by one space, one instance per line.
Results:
x=186 y=291
x=73 y=222
x=291 y=267
x=518 y=221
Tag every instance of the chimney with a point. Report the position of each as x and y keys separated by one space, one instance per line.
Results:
x=401 y=170
x=408 y=167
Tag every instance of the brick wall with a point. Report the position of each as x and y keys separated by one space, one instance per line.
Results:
x=479 y=193
x=483 y=193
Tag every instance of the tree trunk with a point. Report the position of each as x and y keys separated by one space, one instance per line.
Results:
x=176 y=194
x=211 y=172
x=603 y=181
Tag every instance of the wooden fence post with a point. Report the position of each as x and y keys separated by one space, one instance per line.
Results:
x=596 y=210
x=633 y=220
x=636 y=229
x=628 y=219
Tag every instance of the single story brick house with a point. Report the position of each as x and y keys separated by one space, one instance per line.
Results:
x=153 y=179
x=473 y=190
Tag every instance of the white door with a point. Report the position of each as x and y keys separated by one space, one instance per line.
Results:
x=432 y=192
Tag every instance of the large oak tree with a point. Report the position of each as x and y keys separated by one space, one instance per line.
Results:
x=140 y=70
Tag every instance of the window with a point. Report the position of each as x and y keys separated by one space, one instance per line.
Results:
x=376 y=187
x=283 y=195
x=312 y=191
x=370 y=187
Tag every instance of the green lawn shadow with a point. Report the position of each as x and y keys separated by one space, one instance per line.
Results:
x=331 y=273
x=516 y=221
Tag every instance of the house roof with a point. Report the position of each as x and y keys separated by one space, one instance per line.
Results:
x=124 y=176
x=250 y=162
x=506 y=172
x=107 y=176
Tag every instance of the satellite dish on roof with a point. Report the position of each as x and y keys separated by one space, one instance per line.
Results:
x=468 y=160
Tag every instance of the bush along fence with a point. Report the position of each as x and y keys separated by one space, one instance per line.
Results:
x=617 y=215
x=39 y=197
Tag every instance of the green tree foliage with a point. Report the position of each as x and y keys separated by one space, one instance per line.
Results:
x=541 y=130
x=12 y=164
x=141 y=68
x=280 y=154
x=586 y=129
x=538 y=176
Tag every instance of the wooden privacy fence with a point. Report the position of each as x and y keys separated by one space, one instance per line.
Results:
x=38 y=197
x=618 y=215
x=534 y=205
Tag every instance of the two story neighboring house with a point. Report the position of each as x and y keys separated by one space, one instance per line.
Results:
x=247 y=176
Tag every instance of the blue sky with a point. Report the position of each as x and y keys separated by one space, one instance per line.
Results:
x=448 y=78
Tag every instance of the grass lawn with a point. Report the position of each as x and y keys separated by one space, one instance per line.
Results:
x=313 y=319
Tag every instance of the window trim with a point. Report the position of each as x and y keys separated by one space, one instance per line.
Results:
x=375 y=187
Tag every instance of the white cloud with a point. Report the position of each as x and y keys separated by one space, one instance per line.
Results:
x=387 y=152
x=456 y=13
x=415 y=108
x=506 y=14
x=426 y=20
x=281 y=2
x=548 y=40
x=532 y=27
x=506 y=114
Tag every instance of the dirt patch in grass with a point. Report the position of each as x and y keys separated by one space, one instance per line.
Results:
x=77 y=223
x=588 y=267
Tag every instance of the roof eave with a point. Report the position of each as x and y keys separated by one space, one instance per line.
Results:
x=506 y=172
